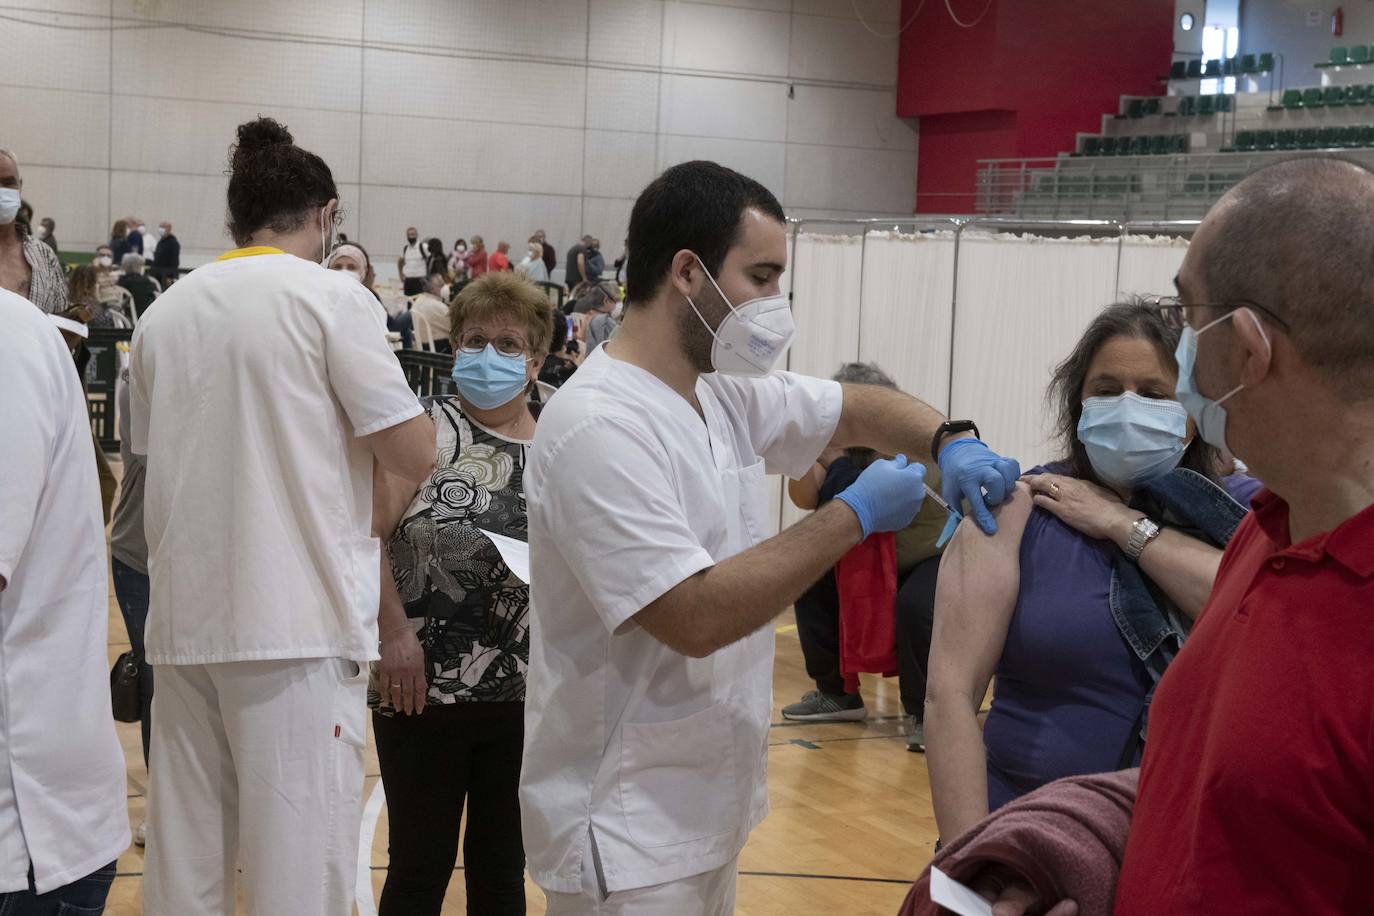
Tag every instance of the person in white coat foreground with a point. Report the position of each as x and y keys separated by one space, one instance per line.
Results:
x=649 y=684
x=63 y=799
x=264 y=396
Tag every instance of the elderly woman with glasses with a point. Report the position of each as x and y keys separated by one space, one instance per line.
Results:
x=448 y=694
x=1090 y=585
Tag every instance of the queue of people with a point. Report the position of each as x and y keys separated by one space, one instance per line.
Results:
x=312 y=542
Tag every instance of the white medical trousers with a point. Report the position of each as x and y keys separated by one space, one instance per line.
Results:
x=259 y=765
x=711 y=893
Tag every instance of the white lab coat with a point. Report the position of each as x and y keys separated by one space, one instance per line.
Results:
x=63 y=797
x=662 y=756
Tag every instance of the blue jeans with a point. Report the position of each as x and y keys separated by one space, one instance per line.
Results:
x=84 y=897
x=131 y=591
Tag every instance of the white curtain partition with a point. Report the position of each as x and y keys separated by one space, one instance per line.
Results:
x=1022 y=303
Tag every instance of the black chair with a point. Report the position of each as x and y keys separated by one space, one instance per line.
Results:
x=1194 y=69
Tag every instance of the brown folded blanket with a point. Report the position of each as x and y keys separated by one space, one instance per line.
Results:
x=1066 y=840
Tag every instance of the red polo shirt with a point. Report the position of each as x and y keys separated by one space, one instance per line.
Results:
x=1257 y=790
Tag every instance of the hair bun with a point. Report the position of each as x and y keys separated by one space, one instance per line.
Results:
x=256 y=136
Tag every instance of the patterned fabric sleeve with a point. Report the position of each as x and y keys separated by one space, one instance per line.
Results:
x=48 y=285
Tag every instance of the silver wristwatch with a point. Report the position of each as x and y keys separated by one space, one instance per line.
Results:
x=1142 y=533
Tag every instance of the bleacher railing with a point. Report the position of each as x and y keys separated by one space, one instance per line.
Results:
x=1122 y=187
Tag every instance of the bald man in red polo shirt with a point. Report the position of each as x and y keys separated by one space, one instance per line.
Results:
x=1257 y=789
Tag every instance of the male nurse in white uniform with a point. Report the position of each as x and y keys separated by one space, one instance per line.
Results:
x=63 y=799
x=263 y=393
x=650 y=679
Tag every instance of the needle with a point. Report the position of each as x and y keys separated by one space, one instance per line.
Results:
x=931 y=494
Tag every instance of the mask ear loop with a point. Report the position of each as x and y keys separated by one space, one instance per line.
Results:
x=710 y=330
x=1268 y=344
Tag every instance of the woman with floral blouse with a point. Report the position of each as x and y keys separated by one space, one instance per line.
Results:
x=448 y=694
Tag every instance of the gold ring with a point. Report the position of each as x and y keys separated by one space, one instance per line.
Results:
x=1054 y=490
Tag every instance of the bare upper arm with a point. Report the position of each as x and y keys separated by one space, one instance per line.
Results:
x=390 y=497
x=672 y=618
x=407 y=449
x=980 y=577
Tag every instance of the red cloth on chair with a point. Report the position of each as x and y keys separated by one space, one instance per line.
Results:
x=866 y=579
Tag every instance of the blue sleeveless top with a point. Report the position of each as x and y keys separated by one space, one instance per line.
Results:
x=1068 y=687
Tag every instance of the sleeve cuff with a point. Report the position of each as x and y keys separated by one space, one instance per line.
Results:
x=387 y=422
x=618 y=614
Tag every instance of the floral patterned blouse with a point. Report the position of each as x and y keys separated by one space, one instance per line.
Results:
x=469 y=610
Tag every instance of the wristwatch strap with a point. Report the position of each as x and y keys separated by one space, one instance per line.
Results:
x=1142 y=533
x=950 y=428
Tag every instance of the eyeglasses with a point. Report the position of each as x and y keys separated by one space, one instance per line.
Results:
x=476 y=342
x=1171 y=310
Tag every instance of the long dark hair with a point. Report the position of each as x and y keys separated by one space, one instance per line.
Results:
x=1131 y=319
x=273 y=182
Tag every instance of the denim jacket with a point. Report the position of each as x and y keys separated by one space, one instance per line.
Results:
x=1151 y=624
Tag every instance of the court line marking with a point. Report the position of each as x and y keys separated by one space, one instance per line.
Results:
x=362 y=890
x=787 y=628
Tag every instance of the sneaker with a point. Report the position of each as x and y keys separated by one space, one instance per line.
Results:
x=141 y=835
x=822 y=707
x=916 y=735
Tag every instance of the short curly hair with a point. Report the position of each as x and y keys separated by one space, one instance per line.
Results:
x=503 y=295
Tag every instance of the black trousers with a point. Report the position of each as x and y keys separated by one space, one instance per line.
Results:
x=414 y=286
x=818 y=628
x=433 y=764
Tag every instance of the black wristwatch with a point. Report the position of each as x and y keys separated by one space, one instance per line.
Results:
x=949 y=428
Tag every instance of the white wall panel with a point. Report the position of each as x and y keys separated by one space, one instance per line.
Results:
x=849 y=117
x=91 y=8
x=764 y=162
x=190 y=65
x=59 y=127
x=75 y=198
x=608 y=219
x=342 y=21
x=545 y=28
x=194 y=203
x=626 y=32
x=169 y=135
x=43 y=58
x=881 y=181
x=709 y=107
x=622 y=100
x=698 y=36
x=480 y=90
x=619 y=164
x=471 y=155
x=876 y=13
x=843 y=50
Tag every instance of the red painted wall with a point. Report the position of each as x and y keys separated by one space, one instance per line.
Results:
x=1023 y=82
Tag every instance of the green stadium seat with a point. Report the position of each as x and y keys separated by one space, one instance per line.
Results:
x=1350 y=136
x=1356 y=95
x=1178 y=70
x=1225 y=103
x=1286 y=139
x=1180 y=142
x=1249 y=64
x=1194 y=69
x=1366 y=137
x=1206 y=105
x=1135 y=108
x=1230 y=67
x=1245 y=141
x=1327 y=137
x=1266 y=62
x=1265 y=139
x=1107 y=146
x=1152 y=106
x=1338 y=56
x=1219 y=184
x=1092 y=146
x=1140 y=146
x=1187 y=105
x=1312 y=98
x=1159 y=145
x=1292 y=98
x=1211 y=68
x=1195 y=184
x=1333 y=95
x=1307 y=138
x=1359 y=54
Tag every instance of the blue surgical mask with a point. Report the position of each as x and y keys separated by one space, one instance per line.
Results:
x=1131 y=439
x=1209 y=415
x=9 y=205
x=487 y=379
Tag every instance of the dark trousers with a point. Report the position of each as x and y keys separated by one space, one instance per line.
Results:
x=414 y=286
x=131 y=591
x=431 y=765
x=403 y=324
x=84 y=897
x=818 y=628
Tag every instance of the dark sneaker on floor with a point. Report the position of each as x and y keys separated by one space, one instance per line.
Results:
x=915 y=735
x=822 y=707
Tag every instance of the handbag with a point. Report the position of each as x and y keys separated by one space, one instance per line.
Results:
x=124 y=682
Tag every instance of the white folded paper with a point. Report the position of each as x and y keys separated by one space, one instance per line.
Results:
x=952 y=895
x=515 y=553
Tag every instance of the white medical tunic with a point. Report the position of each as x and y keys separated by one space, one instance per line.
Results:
x=660 y=756
x=63 y=798
x=252 y=383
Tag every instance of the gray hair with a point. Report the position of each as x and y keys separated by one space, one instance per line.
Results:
x=131 y=263
x=864 y=374
x=12 y=157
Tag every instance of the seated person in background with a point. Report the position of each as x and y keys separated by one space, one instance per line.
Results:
x=1087 y=590
x=601 y=321
x=352 y=259
x=143 y=289
x=532 y=265
x=431 y=307
x=818 y=610
x=83 y=289
x=562 y=360
x=107 y=276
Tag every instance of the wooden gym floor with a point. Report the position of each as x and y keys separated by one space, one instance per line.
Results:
x=851 y=822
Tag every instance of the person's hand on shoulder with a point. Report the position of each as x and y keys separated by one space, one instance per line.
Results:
x=1094 y=511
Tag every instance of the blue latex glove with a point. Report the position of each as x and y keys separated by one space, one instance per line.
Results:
x=972 y=471
x=887 y=495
